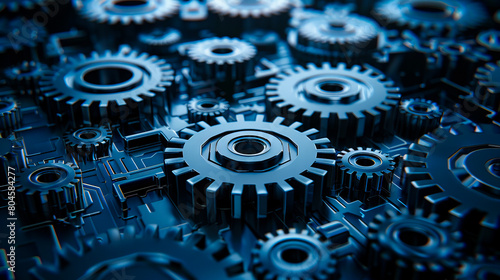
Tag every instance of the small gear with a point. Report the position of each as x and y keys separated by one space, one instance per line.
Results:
x=203 y=108
x=293 y=255
x=405 y=246
x=417 y=117
x=10 y=116
x=50 y=190
x=159 y=41
x=21 y=39
x=250 y=167
x=487 y=90
x=432 y=15
x=342 y=103
x=364 y=173
x=480 y=268
x=109 y=86
x=89 y=143
x=151 y=255
x=26 y=76
x=455 y=173
x=490 y=39
x=15 y=5
x=334 y=38
x=127 y=12
x=222 y=59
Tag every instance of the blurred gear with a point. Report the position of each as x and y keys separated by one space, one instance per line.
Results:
x=417 y=117
x=250 y=167
x=490 y=39
x=487 y=90
x=159 y=41
x=342 y=103
x=25 y=77
x=203 y=108
x=364 y=173
x=456 y=173
x=149 y=256
x=480 y=268
x=50 y=190
x=15 y=5
x=10 y=116
x=405 y=246
x=293 y=255
x=89 y=143
x=21 y=39
x=264 y=40
x=222 y=59
x=110 y=86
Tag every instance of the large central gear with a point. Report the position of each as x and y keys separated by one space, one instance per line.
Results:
x=456 y=173
x=113 y=86
x=342 y=103
x=250 y=167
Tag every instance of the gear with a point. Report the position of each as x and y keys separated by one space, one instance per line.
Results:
x=222 y=59
x=159 y=41
x=148 y=256
x=480 y=268
x=127 y=12
x=293 y=255
x=26 y=76
x=10 y=116
x=432 y=15
x=20 y=40
x=256 y=166
x=114 y=86
x=364 y=173
x=203 y=108
x=417 y=117
x=342 y=103
x=405 y=246
x=455 y=173
x=334 y=38
x=89 y=143
x=490 y=39
x=488 y=85
x=51 y=190
x=15 y=5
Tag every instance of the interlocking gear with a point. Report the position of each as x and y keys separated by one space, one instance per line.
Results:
x=417 y=117
x=250 y=167
x=455 y=173
x=364 y=173
x=25 y=77
x=342 y=103
x=110 y=86
x=149 y=256
x=89 y=143
x=204 y=108
x=50 y=190
x=222 y=59
x=159 y=41
x=293 y=255
x=405 y=246
x=10 y=115
x=487 y=90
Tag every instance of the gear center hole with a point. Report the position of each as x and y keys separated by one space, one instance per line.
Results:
x=366 y=162
x=130 y=3
x=331 y=87
x=337 y=25
x=87 y=135
x=494 y=168
x=107 y=76
x=420 y=108
x=222 y=51
x=249 y=146
x=435 y=8
x=413 y=237
x=207 y=105
x=48 y=177
x=294 y=255
x=3 y=105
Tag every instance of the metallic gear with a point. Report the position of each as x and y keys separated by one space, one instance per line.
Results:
x=490 y=39
x=115 y=86
x=26 y=76
x=487 y=90
x=89 y=143
x=480 y=268
x=455 y=173
x=293 y=255
x=159 y=41
x=15 y=5
x=148 y=256
x=202 y=108
x=405 y=246
x=364 y=173
x=127 y=12
x=222 y=59
x=417 y=117
x=10 y=116
x=250 y=167
x=342 y=103
x=432 y=15
x=50 y=190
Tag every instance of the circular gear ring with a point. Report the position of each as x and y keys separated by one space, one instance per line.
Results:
x=148 y=256
x=10 y=115
x=89 y=143
x=293 y=255
x=250 y=167
x=203 y=108
x=417 y=117
x=113 y=86
x=479 y=268
x=340 y=102
x=221 y=59
x=364 y=173
x=455 y=173
x=51 y=190
x=405 y=246
x=488 y=85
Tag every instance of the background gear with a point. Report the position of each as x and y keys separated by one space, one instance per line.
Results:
x=203 y=108
x=10 y=116
x=25 y=77
x=488 y=85
x=417 y=117
x=89 y=143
